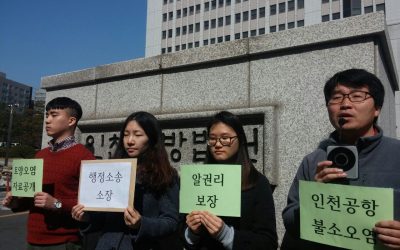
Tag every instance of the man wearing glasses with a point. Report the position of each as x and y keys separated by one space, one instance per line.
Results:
x=354 y=99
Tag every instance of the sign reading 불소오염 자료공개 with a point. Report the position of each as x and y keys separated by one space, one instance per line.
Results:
x=27 y=177
x=107 y=185
x=215 y=188
x=343 y=215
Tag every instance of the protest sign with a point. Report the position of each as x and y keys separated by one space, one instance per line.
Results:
x=107 y=185
x=343 y=215
x=215 y=188
x=27 y=176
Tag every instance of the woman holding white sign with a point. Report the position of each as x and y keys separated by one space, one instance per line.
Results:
x=154 y=215
x=256 y=228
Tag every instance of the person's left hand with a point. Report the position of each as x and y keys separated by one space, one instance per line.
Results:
x=44 y=200
x=132 y=218
x=388 y=232
x=212 y=223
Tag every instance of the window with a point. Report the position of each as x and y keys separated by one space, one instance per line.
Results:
x=185 y=12
x=253 y=32
x=212 y=40
x=325 y=1
x=178 y=31
x=237 y=18
x=228 y=2
x=281 y=26
x=184 y=30
x=227 y=38
x=171 y=1
x=205 y=42
x=196 y=44
x=380 y=7
x=178 y=13
x=198 y=7
x=169 y=33
x=206 y=25
x=183 y=46
x=261 y=31
x=190 y=28
x=169 y=49
x=213 y=4
x=300 y=23
x=220 y=39
x=245 y=16
x=191 y=10
x=272 y=10
x=290 y=5
x=220 y=21
x=213 y=23
x=165 y=1
x=164 y=34
x=164 y=17
x=207 y=6
x=335 y=16
x=163 y=51
x=220 y=3
x=237 y=36
x=368 y=9
x=290 y=25
x=190 y=45
x=197 y=27
x=171 y=15
x=325 y=18
x=177 y=48
x=245 y=34
x=227 y=20
x=261 y=12
x=253 y=14
x=282 y=7
x=300 y=4
x=237 y=1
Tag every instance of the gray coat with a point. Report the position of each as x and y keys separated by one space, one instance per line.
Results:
x=379 y=166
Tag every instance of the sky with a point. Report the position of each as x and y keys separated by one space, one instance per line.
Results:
x=47 y=37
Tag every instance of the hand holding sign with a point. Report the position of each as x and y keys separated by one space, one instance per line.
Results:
x=388 y=232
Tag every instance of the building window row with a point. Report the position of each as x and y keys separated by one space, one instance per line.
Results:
x=281 y=7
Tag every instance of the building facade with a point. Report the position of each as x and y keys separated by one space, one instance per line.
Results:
x=12 y=92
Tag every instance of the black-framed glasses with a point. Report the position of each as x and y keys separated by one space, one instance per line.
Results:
x=224 y=140
x=354 y=97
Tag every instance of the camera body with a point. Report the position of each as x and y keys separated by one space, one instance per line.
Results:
x=346 y=158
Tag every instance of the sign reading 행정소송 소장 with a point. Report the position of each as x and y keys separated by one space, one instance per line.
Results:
x=107 y=185
x=27 y=177
x=215 y=188
x=343 y=215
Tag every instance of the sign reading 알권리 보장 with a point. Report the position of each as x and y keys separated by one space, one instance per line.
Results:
x=27 y=177
x=215 y=188
x=107 y=185
x=343 y=215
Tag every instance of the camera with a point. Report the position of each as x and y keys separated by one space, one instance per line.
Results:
x=346 y=158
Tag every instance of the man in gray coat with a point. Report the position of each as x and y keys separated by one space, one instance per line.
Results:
x=354 y=99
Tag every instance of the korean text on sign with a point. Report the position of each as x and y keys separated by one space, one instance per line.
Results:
x=215 y=188
x=342 y=215
x=27 y=176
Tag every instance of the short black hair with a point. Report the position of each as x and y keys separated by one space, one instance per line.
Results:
x=356 y=78
x=66 y=103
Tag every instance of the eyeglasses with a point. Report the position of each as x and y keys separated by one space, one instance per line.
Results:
x=224 y=140
x=354 y=97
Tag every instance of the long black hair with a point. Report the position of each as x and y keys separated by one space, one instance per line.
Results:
x=155 y=171
x=249 y=173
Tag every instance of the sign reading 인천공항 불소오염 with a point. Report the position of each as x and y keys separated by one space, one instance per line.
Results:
x=107 y=185
x=27 y=177
x=343 y=215
x=212 y=187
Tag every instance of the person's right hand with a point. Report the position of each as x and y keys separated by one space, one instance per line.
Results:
x=78 y=214
x=193 y=221
x=7 y=201
x=325 y=173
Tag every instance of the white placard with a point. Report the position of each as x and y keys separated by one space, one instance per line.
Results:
x=107 y=185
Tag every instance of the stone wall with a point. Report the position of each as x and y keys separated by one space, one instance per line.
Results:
x=274 y=82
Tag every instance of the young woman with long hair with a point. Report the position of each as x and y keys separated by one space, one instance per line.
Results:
x=256 y=228
x=154 y=215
